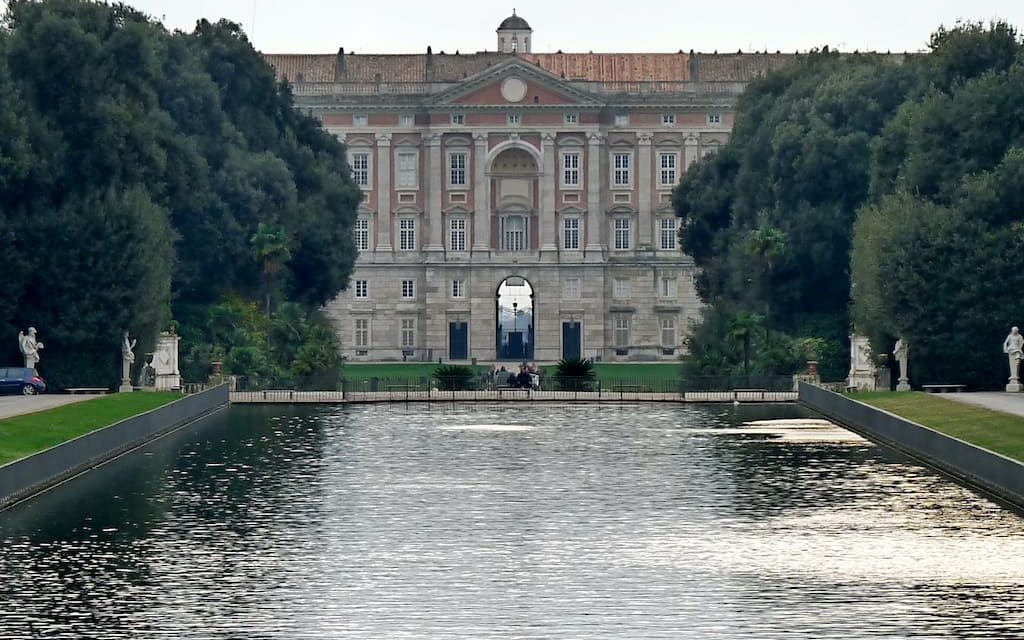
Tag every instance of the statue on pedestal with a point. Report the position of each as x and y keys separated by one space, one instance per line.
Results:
x=902 y=352
x=30 y=347
x=127 y=359
x=1013 y=347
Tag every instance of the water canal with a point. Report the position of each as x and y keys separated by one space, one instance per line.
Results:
x=511 y=521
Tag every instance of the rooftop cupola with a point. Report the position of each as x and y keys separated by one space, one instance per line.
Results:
x=514 y=35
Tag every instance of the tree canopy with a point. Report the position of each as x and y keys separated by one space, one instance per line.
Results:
x=136 y=168
x=912 y=163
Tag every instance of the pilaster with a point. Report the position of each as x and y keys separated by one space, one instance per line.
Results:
x=481 y=198
x=643 y=176
x=435 y=173
x=547 y=194
x=690 y=150
x=595 y=215
x=383 y=194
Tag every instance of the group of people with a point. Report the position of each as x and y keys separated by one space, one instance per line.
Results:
x=527 y=377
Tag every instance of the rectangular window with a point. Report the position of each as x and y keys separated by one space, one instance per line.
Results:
x=513 y=233
x=621 y=233
x=458 y=288
x=362 y=290
x=362 y=332
x=458 y=118
x=714 y=118
x=362 y=232
x=406 y=120
x=668 y=119
x=360 y=120
x=407 y=234
x=361 y=169
x=621 y=288
x=571 y=289
x=408 y=333
x=621 y=176
x=571 y=233
x=669 y=233
x=668 y=288
x=457 y=234
x=668 y=169
x=571 y=169
x=621 y=119
x=407 y=164
x=572 y=118
x=457 y=169
x=514 y=119
x=621 y=331
x=408 y=289
x=668 y=332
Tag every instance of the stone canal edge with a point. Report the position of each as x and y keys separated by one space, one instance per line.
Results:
x=979 y=468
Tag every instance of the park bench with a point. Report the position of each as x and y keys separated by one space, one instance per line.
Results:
x=76 y=390
x=942 y=388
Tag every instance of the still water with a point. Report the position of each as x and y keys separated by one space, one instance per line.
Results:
x=512 y=521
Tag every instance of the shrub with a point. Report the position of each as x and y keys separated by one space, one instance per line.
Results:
x=454 y=377
x=575 y=374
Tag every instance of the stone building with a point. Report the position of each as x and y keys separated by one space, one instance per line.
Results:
x=518 y=204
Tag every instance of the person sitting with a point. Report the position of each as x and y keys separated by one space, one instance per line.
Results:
x=501 y=378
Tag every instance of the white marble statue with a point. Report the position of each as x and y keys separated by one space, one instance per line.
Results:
x=30 y=347
x=127 y=359
x=1013 y=347
x=902 y=352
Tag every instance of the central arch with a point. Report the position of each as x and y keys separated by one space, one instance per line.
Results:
x=514 y=319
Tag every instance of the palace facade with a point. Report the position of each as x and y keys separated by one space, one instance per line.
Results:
x=517 y=204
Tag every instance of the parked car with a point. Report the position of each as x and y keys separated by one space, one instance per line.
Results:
x=21 y=380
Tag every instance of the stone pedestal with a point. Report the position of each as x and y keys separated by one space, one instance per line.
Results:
x=862 y=371
x=165 y=362
x=903 y=385
x=1014 y=387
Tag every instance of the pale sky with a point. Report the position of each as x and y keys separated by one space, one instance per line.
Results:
x=408 y=26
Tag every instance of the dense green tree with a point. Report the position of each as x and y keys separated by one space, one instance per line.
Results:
x=145 y=175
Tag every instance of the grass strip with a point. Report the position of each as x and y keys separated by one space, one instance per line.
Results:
x=992 y=430
x=24 y=435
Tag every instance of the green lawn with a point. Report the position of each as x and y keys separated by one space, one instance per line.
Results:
x=607 y=372
x=24 y=435
x=992 y=430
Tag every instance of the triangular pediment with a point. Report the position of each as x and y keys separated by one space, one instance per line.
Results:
x=515 y=84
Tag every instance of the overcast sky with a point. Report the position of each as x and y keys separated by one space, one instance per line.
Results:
x=408 y=26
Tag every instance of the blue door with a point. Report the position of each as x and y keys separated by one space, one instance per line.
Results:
x=458 y=341
x=572 y=340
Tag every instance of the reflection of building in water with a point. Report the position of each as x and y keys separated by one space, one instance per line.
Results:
x=553 y=168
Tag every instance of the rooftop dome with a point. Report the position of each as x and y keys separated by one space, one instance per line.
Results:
x=514 y=23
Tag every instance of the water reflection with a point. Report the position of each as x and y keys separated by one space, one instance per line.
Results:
x=510 y=521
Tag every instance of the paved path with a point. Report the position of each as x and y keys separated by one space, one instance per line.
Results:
x=20 y=405
x=995 y=400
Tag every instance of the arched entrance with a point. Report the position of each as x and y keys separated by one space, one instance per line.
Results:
x=515 y=319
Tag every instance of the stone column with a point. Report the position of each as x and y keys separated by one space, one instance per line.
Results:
x=434 y=173
x=595 y=216
x=690 y=151
x=643 y=178
x=481 y=198
x=547 y=194
x=383 y=194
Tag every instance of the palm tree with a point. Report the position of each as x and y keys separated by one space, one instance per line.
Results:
x=740 y=329
x=270 y=246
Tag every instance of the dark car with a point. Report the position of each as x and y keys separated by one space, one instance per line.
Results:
x=21 y=380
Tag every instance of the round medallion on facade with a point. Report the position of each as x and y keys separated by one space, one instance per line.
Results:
x=513 y=89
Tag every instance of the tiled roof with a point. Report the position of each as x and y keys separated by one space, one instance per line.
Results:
x=596 y=67
x=615 y=67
